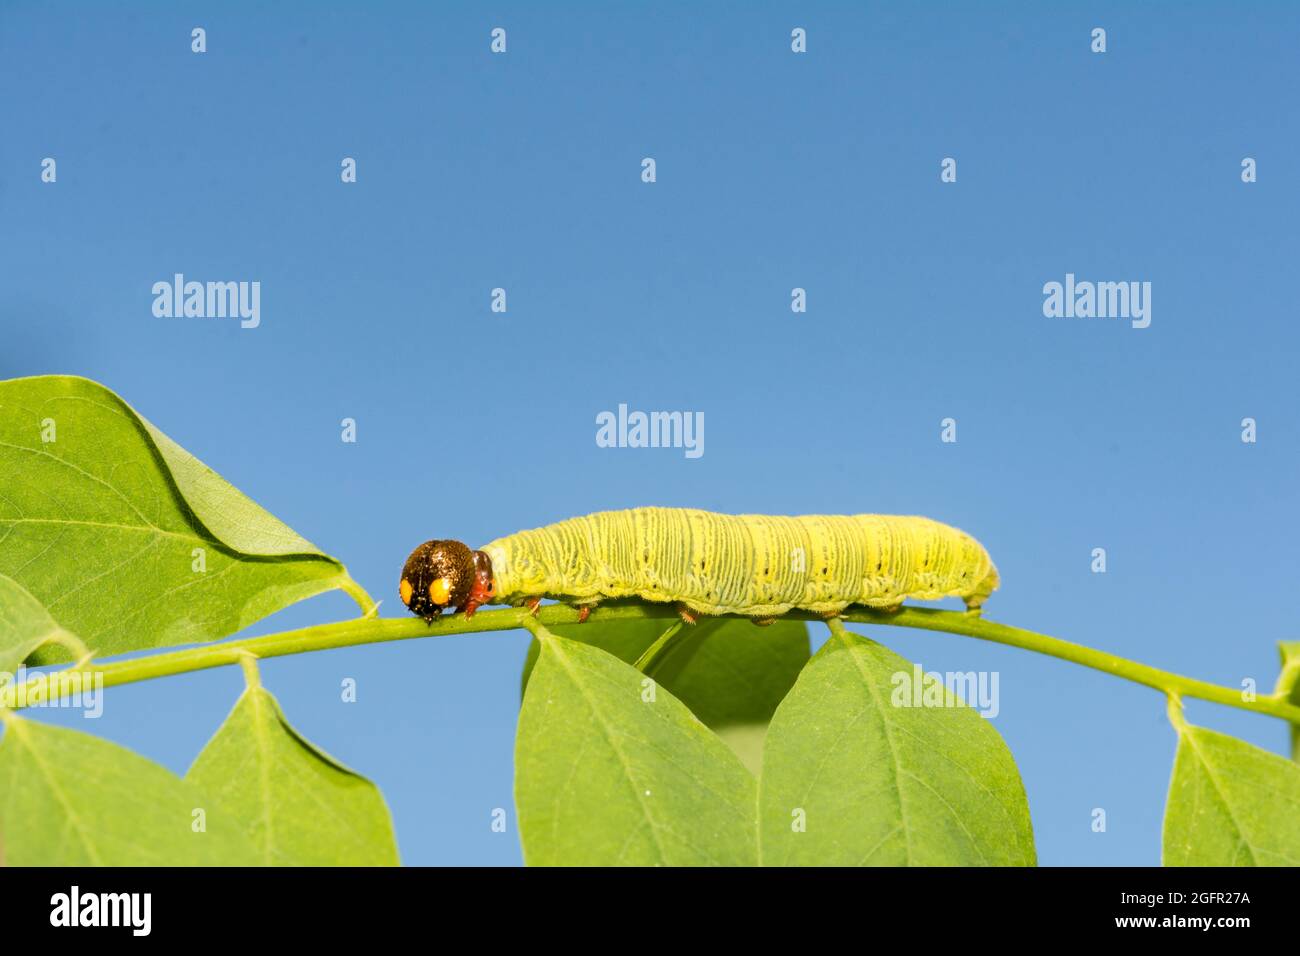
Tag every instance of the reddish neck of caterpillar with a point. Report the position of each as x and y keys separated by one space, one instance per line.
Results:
x=483 y=590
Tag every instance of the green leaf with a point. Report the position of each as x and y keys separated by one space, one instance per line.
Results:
x=604 y=776
x=730 y=673
x=850 y=779
x=626 y=640
x=24 y=626
x=71 y=799
x=1230 y=803
x=298 y=806
x=727 y=671
x=126 y=538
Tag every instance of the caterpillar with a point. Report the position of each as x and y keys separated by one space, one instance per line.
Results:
x=759 y=566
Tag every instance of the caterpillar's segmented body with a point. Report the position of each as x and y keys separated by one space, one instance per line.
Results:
x=755 y=565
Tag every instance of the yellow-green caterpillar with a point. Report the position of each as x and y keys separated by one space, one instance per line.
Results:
x=760 y=566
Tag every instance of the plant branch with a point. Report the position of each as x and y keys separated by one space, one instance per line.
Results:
x=374 y=630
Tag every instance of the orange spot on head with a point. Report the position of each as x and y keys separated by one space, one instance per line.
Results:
x=405 y=590
x=440 y=590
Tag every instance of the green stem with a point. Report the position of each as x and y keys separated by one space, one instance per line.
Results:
x=369 y=607
x=1288 y=688
x=656 y=649
x=956 y=623
x=252 y=677
x=535 y=627
x=836 y=627
x=70 y=643
x=372 y=630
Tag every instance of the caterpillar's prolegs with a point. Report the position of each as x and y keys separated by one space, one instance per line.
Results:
x=584 y=610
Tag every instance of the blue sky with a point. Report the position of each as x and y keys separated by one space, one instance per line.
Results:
x=774 y=171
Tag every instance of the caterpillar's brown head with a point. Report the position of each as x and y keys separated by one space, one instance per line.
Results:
x=441 y=574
